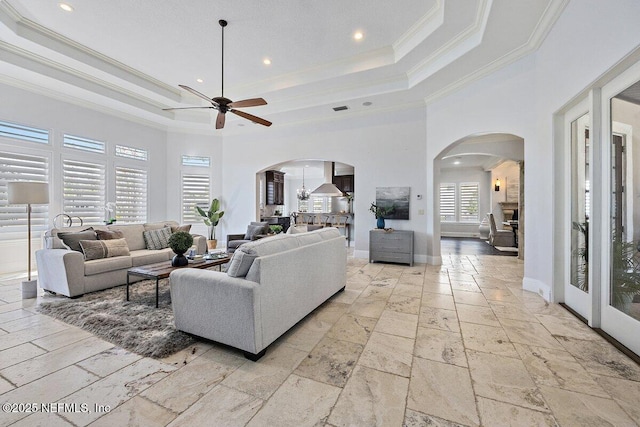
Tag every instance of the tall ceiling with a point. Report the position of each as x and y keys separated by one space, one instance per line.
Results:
x=127 y=57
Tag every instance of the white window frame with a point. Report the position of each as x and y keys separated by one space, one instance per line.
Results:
x=455 y=192
x=99 y=212
x=187 y=214
x=457 y=203
x=135 y=215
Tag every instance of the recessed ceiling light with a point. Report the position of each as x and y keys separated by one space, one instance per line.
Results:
x=199 y=80
x=457 y=162
x=358 y=35
x=367 y=103
x=266 y=61
x=66 y=7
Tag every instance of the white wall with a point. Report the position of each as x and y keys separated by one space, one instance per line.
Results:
x=458 y=175
x=386 y=150
x=522 y=98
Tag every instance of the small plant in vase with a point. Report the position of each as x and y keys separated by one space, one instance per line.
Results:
x=180 y=242
x=211 y=218
x=380 y=213
x=275 y=229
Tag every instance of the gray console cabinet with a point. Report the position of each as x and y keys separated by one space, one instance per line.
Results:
x=391 y=246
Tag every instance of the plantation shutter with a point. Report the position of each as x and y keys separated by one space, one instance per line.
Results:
x=131 y=195
x=447 y=202
x=195 y=192
x=469 y=202
x=20 y=167
x=84 y=190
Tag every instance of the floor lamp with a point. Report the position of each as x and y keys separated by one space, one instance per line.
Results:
x=28 y=193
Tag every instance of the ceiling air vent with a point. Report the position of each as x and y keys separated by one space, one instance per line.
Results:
x=341 y=108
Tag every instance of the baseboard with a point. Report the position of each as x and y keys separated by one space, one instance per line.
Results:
x=460 y=234
x=434 y=260
x=420 y=259
x=538 y=287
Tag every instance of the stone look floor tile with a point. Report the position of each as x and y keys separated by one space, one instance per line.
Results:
x=19 y=353
x=487 y=339
x=371 y=398
x=300 y=402
x=62 y=339
x=394 y=323
x=477 y=314
x=438 y=318
x=529 y=333
x=117 y=388
x=47 y=363
x=408 y=291
x=500 y=295
x=109 y=361
x=505 y=379
x=442 y=390
x=306 y=334
x=625 y=393
x=376 y=292
x=42 y=419
x=568 y=327
x=573 y=409
x=5 y=386
x=440 y=346
x=470 y=298
x=438 y=301
x=194 y=381
x=403 y=304
x=222 y=406
x=13 y=315
x=26 y=335
x=263 y=377
x=511 y=311
x=356 y=329
x=557 y=368
x=136 y=412
x=331 y=361
x=436 y=288
x=494 y=413
x=388 y=353
x=418 y=419
x=470 y=286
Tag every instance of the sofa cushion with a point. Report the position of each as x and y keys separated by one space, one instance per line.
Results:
x=105 y=265
x=185 y=227
x=132 y=234
x=270 y=245
x=160 y=224
x=109 y=234
x=98 y=249
x=146 y=256
x=157 y=239
x=240 y=263
x=256 y=228
x=308 y=238
x=327 y=233
x=72 y=239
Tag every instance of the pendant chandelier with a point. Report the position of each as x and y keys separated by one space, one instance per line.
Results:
x=303 y=193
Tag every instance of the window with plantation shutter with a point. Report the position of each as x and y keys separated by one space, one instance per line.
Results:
x=447 y=202
x=469 y=202
x=84 y=190
x=131 y=195
x=195 y=192
x=13 y=218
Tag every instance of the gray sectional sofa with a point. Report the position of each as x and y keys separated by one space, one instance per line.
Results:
x=270 y=285
x=66 y=272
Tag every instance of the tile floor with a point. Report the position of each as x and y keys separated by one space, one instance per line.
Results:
x=457 y=345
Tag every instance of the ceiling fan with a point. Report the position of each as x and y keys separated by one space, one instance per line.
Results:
x=224 y=105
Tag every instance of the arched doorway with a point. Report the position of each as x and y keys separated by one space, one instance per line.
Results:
x=475 y=176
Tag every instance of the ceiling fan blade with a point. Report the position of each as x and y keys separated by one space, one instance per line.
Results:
x=196 y=93
x=251 y=117
x=253 y=102
x=186 y=108
x=220 y=120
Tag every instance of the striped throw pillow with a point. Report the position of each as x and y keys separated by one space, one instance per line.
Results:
x=98 y=249
x=157 y=239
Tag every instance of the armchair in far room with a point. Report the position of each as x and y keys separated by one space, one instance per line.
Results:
x=254 y=229
x=499 y=237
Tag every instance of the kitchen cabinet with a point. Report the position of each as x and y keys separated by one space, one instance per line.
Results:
x=344 y=183
x=274 y=187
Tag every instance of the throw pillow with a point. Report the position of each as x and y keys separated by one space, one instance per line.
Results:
x=72 y=239
x=98 y=249
x=109 y=234
x=240 y=263
x=253 y=231
x=186 y=227
x=157 y=239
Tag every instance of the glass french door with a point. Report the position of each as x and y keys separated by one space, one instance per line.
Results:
x=576 y=290
x=621 y=278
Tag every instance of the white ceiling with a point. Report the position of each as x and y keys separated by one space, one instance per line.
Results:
x=127 y=57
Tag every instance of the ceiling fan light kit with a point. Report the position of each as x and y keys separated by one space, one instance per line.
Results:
x=222 y=104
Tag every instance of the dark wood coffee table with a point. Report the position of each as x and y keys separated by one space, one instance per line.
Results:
x=162 y=270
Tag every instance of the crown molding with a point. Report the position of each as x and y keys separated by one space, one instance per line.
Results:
x=420 y=31
x=36 y=33
x=468 y=39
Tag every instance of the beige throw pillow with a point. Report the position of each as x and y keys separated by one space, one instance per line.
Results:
x=98 y=249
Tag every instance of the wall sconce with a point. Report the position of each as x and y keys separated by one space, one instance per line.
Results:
x=496 y=187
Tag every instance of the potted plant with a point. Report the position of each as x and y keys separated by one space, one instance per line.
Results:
x=625 y=277
x=180 y=242
x=380 y=213
x=211 y=218
x=275 y=229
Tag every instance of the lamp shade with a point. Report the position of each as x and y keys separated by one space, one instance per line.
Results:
x=327 y=190
x=28 y=193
